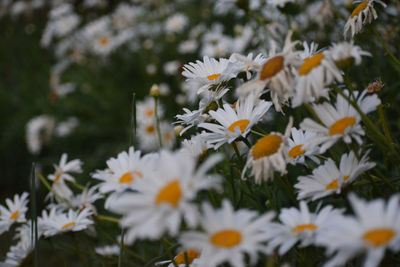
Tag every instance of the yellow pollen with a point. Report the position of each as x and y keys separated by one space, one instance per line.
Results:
x=271 y=67
x=58 y=176
x=226 y=238
x=14 y=215
x=191 y=255
x=149 y=112
x=302 y=227
x=266 y=146
x=213 y=76
x=150 y=129
x=103 y=41
x=68 y=225
x=379 y=236
x=359 y=8
x=296 y=151
x=310 y=63
x=248 y=67
x=340 y=126
x=129 y=177
x=242 y=124
x=170 y=194
x=334 y=184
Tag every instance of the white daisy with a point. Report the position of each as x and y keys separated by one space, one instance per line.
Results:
x=110 y=250
x=195 y=146
x=228 y=235
x=279 y=3
x=328 y=179
x=145 y=110
x=341 y=121
x=316 y=72
x=39 y=131
x=162 y=200
x=176 y=23
x=345 y=53
x=62 y=174
x=192 y=259
x=17 y=254
x=268 y=155
x=361 y=15
x=374 y=229
x=295 y=150
x=296 y=225
x=277 y=73
x=243 y=63
x=14 y=213
x=55 y=223
x=234 y=122
x=148 y=136
x=210 y=73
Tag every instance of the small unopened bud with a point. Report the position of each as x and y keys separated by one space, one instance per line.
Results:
x=375 y=87
x=155 y=91
x=177 y=130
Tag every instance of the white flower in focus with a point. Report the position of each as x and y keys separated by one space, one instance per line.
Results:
x=14 y=212
x=374 y=229
x=327 y=179
x=295 y=150
x=228 y=235
x=297 y=225
x=341 y=121
x=160 y=203
x=361 y=15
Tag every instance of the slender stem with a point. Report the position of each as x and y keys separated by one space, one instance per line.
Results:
x=121 y=248
x=384 y=124
x=166 y=243
x=133 y=119
x=238 y=154
x=48 y=186
x=257 y=133
x=77 y=186
x=34 y=229
x=106 y=218
x=157 y=120
x=382 y=42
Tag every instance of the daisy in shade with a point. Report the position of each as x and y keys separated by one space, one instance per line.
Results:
x=233 y=122
x=195 y=146
x=123 y=171
x=276 y=73
x=361 y=15
x=148 y=137
x=145 y=112
x=297 y=225
x=228 y=235
x=268 y=155
x=162 y=200
x=62 y=174
x=210 y=73
x=14 y=213
x=243 y=63
x=346 y=53
x=55 y=223
x=295 y=150
x=341 y=121
x=316 y=72
x=17 y=254
x=374 y=229
x=328 y=179
x=192 y=259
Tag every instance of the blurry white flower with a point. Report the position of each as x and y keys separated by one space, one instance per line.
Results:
x=14 y=213
x=39 y=131
x=176 y=23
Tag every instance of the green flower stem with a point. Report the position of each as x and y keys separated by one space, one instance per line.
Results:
x=384 y=123
x=76 y=185
x=157 y=120
x=257 y=133
x=121 y=248
x=382 y=42
x=106 y=218
x=166 y=245
x=48 y=186
x=238 y=155
x=34 y=229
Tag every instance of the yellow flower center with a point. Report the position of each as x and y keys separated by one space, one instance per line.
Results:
x=191 y=255
x=248 y=67
x=213 y=77
x=150 y=129
x=379 y=236
x=149 y=113
x=302 y=227
x=359 y=8
x=340 y=126
x=242 y=124
x=58 y=176
x=266 y=146
x=68 y=225
x=226 y=238
x=271 y=67
x=14 y=215
x=104 y=41
x=170 y=194
x=129 y=177
x=296 y=151
x=334 y=184
x=311 y=63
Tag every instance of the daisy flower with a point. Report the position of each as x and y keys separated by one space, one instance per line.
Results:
x=243 y=63
x=228 y=235
x=110 y=250
x=176 y=23
x=268 y=155
x=296 y=225
x=123 y=171
x=17 y=254
x=62 y=174
x=163 y=199
x=341 y=121
x=14 y=213
x=148 y=137
x=276 y=73
x=349 y=236
x=233 y=122
x=195 y=146
x=295 y=150
x=345 y=53
x=192 y=259
x=55 y=223
x=361 y=15
x=210 y=73
x=328 y=179
x=316 y=72
x=145 y=112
